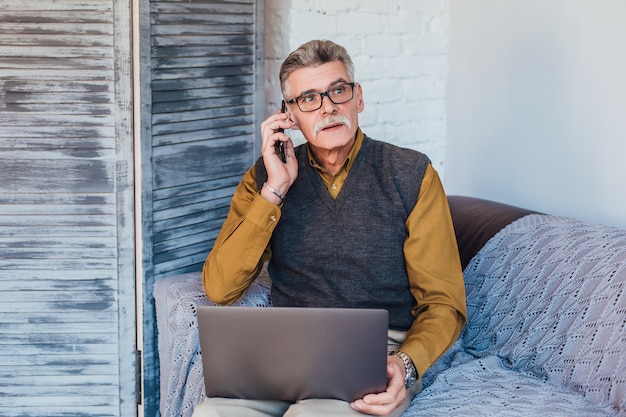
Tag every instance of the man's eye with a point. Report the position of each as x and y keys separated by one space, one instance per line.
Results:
x=309 y=98
x=338 y=90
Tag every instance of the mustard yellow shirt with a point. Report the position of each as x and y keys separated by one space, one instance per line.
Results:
x=430 y=251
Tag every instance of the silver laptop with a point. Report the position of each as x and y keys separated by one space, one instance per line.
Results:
x=289 y=354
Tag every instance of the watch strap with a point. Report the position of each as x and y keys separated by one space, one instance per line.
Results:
x=409 y=368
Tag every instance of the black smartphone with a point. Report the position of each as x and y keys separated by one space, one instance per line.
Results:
x=279 y=145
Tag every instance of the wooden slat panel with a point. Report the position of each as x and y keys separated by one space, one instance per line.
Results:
x=197 y=193
x=204 y=98
x=47 y=51
x=63 y=123
x=216 y=86
x=200 y=14
x=206 y=50
x=191 y=234
x=197 y=125
x=207 y=113
x=14 y=330
x=70 y=175
x=55 y=338
x=191 y=191
x=214 y=210
x=85 y=200
x=197 y=108
x=65 y=315
x=202 y=62
x=56 y=31
x=234 y=37
x=205 y=103
x=58 y=305
x=194 y=162
x=181 y=265
x=56 y=5
x=198 y=230
x=238 y=128
x=61 y=17
x=201 y=232
x=9 y=72
x=186 y=11
x=51 y=265
x=200 y=28
x=53 y=360
x=54 y=86
x=184 y=255
x=191 y=206
x=43 y=142
x=60 y=209
x=85 y=391
x=43 y=230
x=12 y=100
x=24 y=153
x=200 y=124
x=24 y=238
x=191 y=75
x=58 y=40
x=64 y=410
x=64 y=352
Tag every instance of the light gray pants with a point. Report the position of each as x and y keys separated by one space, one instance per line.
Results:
x=232 y=407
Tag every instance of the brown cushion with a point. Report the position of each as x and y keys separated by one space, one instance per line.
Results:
x=476 y=221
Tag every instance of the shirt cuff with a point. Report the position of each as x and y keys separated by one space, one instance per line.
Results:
x=263 y=214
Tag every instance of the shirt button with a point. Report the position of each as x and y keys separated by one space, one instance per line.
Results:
x=273 y=218
x=334 y=186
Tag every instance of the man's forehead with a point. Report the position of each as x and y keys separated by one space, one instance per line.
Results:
x=318 y=77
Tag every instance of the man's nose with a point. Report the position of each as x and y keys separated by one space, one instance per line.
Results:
x=327 y=105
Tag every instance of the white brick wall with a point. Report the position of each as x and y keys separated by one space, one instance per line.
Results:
x=399 y=49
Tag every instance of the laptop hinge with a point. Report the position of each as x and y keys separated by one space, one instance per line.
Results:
x=138 y=376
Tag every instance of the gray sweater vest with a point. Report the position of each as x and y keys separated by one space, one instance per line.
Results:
x=348 y=252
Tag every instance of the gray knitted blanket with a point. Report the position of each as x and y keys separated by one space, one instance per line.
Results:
x=181 y=378
x=546 y=331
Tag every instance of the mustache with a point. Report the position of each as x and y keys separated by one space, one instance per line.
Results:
x=335 y=118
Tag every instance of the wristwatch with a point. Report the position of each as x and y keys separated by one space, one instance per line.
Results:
x=411 y=373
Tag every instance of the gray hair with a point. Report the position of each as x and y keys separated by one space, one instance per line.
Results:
x=312 y=54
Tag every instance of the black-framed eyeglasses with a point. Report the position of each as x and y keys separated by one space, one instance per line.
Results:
x=338 y=94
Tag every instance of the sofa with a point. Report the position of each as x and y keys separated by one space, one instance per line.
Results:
x=546 y=329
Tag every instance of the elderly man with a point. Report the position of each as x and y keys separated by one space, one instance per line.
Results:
x=344 y=221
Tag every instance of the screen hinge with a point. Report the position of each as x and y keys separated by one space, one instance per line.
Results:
x=138 y=376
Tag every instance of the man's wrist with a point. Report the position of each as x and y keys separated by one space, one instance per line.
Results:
x=271 y=194
x=410 y=375
x=274 y=191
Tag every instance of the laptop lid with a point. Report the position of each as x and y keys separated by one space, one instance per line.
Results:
x=288 y=354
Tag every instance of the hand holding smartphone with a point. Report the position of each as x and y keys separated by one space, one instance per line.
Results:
x=279 y=145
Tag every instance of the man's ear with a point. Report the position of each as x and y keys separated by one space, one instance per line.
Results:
x=293 y=120
x=359 y=97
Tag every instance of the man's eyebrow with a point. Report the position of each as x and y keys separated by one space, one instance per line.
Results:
x=339 y=80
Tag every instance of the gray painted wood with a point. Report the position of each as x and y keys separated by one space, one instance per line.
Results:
x=67 y=292
x=202 y=103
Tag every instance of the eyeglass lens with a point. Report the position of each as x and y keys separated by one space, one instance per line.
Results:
x=338 y=94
